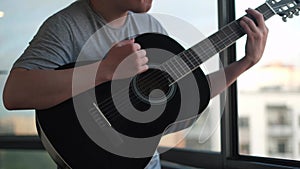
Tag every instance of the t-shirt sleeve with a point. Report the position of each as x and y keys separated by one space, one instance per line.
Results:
x=158 y=26
x=50 y=48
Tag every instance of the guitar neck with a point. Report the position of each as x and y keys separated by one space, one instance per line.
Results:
x=193 y=57
x=227 y=35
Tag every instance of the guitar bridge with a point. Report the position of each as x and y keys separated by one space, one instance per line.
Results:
x=99 y=117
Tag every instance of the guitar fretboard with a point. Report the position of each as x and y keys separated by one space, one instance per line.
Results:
x=192 y=58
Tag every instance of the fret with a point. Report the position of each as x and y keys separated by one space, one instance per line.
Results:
x=266 y=10
x=175 y=67
x=234 y=30
x=165 y=67
x=206 y=49
x=238 y=28
x=226 y=40
x=195 y=57
x=180 y=64
x=189 y=57
x=237 y=31
x=230 y=35
x=218 y=40
x=211 y=49
x=175 y=72
x=227 y=31
x=183 y=64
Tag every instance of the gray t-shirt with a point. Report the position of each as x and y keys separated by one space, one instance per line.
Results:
x=77 y=32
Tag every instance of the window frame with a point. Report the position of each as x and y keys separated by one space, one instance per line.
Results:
x=21 y=142
x=229 y=156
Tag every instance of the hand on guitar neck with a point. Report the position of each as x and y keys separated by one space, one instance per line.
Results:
x=256 y=41
x=256 y=36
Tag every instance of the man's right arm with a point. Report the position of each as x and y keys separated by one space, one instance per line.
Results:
x=41 y=89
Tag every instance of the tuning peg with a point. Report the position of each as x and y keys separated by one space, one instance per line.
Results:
x=297 y=12
x=284 y=19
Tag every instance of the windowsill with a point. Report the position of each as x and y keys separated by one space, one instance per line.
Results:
x=20 y=142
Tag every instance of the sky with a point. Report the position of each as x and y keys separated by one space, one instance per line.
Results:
x=19 y=23
x=282 y=47
x=283 y=40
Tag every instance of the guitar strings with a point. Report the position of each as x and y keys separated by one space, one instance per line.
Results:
x=195 y=58
x=234 y=34
x=198 y=63
x=111 y=115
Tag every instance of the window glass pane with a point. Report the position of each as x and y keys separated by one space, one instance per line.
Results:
x=202 y=16
x=269 y=93
x=24 y=159
x=19 y=23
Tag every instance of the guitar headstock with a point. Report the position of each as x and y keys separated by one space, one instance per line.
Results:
x=285 y=8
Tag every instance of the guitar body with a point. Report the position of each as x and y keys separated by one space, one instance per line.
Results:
x=65 y=135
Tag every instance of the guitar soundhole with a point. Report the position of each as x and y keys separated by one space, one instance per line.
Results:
x=153 y=87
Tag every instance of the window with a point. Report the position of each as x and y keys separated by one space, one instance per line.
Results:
x=205 y=134
x=244 y=122
x=19 y=22
x=25 y=159
x=278 y=115
x=269 y=92
x=258 y=128
x=19 y=30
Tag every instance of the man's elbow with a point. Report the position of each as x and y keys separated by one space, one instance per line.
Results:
x=8 y=100
x=7 y=104
x=11 y=93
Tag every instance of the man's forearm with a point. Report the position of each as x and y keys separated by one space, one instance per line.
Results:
x=40 y=89
x=222 y=79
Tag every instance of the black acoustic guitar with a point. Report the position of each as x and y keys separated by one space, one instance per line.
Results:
x=111 y=127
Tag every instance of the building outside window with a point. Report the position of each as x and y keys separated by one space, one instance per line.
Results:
x=268 y=94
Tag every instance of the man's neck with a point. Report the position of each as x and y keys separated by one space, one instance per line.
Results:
x=114 y=16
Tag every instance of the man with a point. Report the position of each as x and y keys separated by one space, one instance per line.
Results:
x=61 y=38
